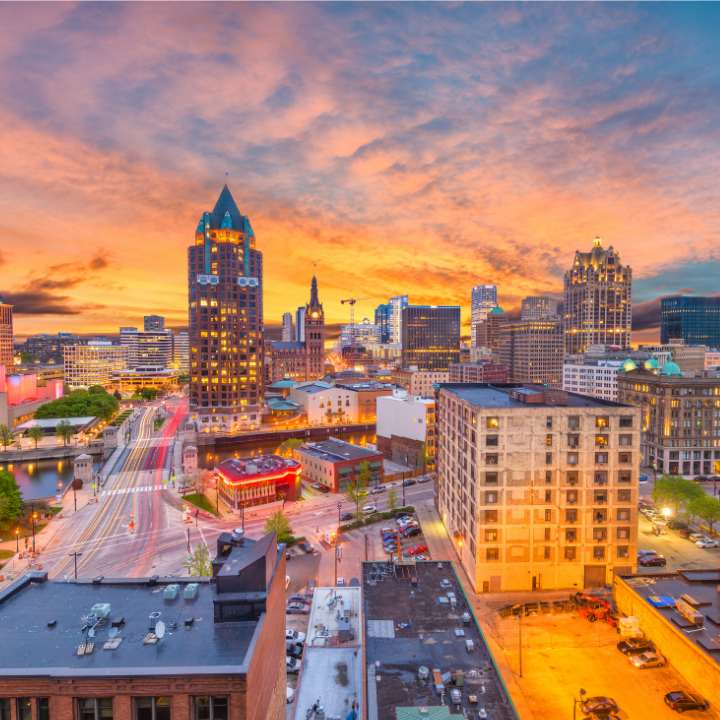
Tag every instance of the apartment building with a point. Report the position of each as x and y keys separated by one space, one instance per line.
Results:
x=93 y=364
x=478 y=372
x=538 y=487
x=404 y=424
x=418 y=382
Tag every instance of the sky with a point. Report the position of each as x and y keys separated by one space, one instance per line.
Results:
x=387 y=148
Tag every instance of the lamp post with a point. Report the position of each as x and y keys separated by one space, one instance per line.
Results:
x=403 y=487
x=17 y=540
x=339 y=507
x=575 y=702
x=34 y=516
x=75 y=555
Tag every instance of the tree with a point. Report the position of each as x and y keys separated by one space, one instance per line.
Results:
x=27 y=357
x=10 y=498
x=199 y=563
x=36 y=433
x=290 y=445
x=117 y=395
x=7 y=435
x=279 y=522
x=356 y=492
x=423 y=458
x=392 y=499
x=149 y=393
x=675 y=492
x=80 y=403
x=200 y=480
x=707 y=508
x=64 y=430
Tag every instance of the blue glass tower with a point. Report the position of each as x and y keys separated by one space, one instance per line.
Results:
x=696 y=320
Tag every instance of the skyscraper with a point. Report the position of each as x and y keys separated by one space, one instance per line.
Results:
x=388 y=318
x=6 y=336
x=430 y=336
x=181 y=352
x=538 y=307
x=696 y=320
x=225 y=311
x=287 y=327
x=533 y=351
x=482 y=300
x=154 y=322
x=365 y=333
x=151 y=347
x=300 y=324
x=597 y=300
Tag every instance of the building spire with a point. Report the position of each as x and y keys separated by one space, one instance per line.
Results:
x=597 y=242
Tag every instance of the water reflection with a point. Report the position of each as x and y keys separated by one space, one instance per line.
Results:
x=42 y=478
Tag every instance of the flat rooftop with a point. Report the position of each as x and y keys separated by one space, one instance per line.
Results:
x=334 y=450
x=257 y=467
x=497 y=395
x=323 y=621
x=661 y=589
x=33 y=648
x=412 y=626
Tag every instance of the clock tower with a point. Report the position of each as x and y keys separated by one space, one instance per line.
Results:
x=314 y=336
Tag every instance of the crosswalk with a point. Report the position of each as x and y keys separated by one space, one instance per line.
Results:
x=122 y=491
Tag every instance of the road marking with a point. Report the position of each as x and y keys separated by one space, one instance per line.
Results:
x=123 y=491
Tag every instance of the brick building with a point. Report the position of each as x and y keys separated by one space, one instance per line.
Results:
x=487 y=332
x=483 y=371
x=404 y=424
x=533 y=351
x=368 y=391
x=221 y=656
x=418 y=382
x=258 y=480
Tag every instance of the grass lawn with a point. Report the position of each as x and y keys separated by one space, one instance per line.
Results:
x=201 y=501
x=121 y=418
x=6 y=554
x=159 y=423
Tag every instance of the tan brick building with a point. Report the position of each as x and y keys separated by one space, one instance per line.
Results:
x=418 y=382
x=487 y=332
x=222 y=655
x=538 y=487
x=533 y=351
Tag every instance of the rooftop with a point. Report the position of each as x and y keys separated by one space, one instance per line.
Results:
x=330 y=604
x=312 y=388
x=257 y=467
x=336 y=450
x=414 y=626
x=52 y=422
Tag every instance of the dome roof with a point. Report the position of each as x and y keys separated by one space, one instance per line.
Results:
x=651 y=363
x=496 y=310
x=670 y=368
x=629 y=365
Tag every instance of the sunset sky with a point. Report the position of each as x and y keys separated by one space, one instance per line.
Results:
x=402 y=148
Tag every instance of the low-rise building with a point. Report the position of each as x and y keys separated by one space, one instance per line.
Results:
x=416 y=381
x=483 y=371
x=595 y=378
x=404 y=424
x=21 y=396
x=334 y=463
x=538 y=487
x=143 y=376
x=368 y=391
x=689 y=358
x=325 y=404
x=258 y=480
x=159 y=647
x=712 y=359
x=93 y=364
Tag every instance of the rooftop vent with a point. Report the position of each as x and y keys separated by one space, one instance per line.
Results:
x=154 y=617
x=191 y=591
x=238 y=534
x=423 y=672
x=171 y=591
x=102 y=610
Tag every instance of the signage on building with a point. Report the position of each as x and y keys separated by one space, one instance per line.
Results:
x=208 y=279
x=247 y=281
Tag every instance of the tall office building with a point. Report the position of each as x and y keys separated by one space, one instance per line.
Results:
x=226 y=321
x=381 y=320
x=533 y=351
x=538 y=307
x=152 y=347
x=49 y=348
x=154 y=322
x=287 y=327
x=430 y=337
x=366 y=334
x=300 y=324
x=597 y=300
x=487 y=333
x=181 y=352
x=482 y=300
x=696 y=320
x=93 y=364
x=7 y=353
x=388 y=318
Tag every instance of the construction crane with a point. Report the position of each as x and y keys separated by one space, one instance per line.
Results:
x=352 y=302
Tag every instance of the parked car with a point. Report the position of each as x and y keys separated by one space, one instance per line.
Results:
x=635 y=646
x=599 y=704
x=402 y=513
x=417 y=549
x=305 y=546
x=296 y=608
x=369 y=509
x=702 y=478
x=675 y=524
x=324 y=489
x=290 y=694
x=697 y=536
x=423 y=479
x=685 y=533
x=707 y=543
x=648 y=660
x=292 y=664
x=316 y=486
x=412 y=532
x=652 y=561
x=346 y=516
x=388 y=530
x=389 y=538
x=643 y=553
x=391 y=548
x=422 y=557
x=298 y=597
x=354 y=582
x=294 y=635
x=378 y=489
x=681 y=700
x=294 y=649
x=310 y=589
x=409 y=482
x=647 y=509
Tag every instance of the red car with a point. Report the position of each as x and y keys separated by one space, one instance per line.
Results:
x=652 y=561
x=417 y=549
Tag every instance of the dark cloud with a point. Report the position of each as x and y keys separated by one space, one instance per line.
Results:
x=646 y=315
x=40 y=302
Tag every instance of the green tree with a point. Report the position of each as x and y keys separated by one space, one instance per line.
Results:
x=279 y=522
x=289 y=445
x=356 y=492
x=149 y=393
x=36 y=433
x=707 y=508
x=117 y=395
x=94 y=402
x=675 y=492
x=10 y=498
x=26 y=357
x=392 y=499
x=199 y=563
x=64 y=430
x=7 y=435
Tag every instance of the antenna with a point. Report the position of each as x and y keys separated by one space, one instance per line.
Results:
x=160 y=629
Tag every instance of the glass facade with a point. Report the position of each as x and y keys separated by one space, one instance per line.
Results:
x=483 y=299
x=696 y=320
x=430 y=337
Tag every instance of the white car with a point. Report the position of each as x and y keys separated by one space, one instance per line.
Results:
x=369 y=509
x=290 y=694
x=378 y=489
x=707 y=543
x=292 y=664
x=294 y=635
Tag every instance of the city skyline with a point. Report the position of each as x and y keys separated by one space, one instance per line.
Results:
x=341 y=141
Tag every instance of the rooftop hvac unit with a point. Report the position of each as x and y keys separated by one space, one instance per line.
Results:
x=455 y=696
x=171 y=592
x=423 y=672
x=102 y=610
x=191 y=591
x=154 y=617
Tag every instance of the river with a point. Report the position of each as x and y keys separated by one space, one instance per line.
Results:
x=42 y=478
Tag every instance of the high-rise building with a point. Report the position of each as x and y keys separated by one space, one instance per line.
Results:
x=382 y=313
x=597 y=300
x=538 y=307
x=388 y=318
x=482 y=300
x=696 y=320
x=539 y=488
x=365 y=333
x=151 y=347
x=181 y=352
x=533 y=351
x=7 y=351
x=487 y=332
x=225 y=298
x=300 y=324
x=93 y=364
x=430 y=336
x=287 y=327
x=154 y=322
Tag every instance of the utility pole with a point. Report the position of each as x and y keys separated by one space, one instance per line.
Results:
x=75 y=555
x=338 y=557
x=339 y=507
x=403 y=487
x=520 y=637
x=366 y=547
x=575 y=702
x=32 y=508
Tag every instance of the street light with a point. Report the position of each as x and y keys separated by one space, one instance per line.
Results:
x=575 y=702
x=34 y=517
x=339 y=506
x=75 y=555
x=17 y=540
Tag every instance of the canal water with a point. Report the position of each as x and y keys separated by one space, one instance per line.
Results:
x=42 y=478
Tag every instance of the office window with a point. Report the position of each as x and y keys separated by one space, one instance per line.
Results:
x=211 y=708
x=491 y=478
x=152 y=708
x=570 y=535
x=569 y=553
x=548 y=458
x=623 y=496
x=599 y=534
x=572 y=496
x=491 y=440
x=491 y=459
x=572 y=458
x=623 y=533
x=491 y=516
x=574 y=422
x=573 y=440
x=598 y=553
x=624 y=476
x=491 y=498
x=623 y=514
x=492 y=554
x=548 y=515
x=95 y=709
x=571 y=516
x=548 y=439
x=600 y=478
x=492 y=422
x=547 y=533
x=43 y=709
x=602 y=421
x=626 y=422
x=548 y=496
x=625 y=457
x=491 y=536
x=5 y=709
x=548 y=477
x=622 y=551
x=572 y=478
x=548 y=422
x=547 y=553
x=601 y=458
x=24 y=709
x=626 y=439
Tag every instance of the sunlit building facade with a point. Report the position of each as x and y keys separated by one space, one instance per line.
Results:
x=287 y=327
x=6 y=336
x=482 y=300
x=597 y=300
x=225 y=317
x=430 y=337
x=93 y=364
x=537 y=307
